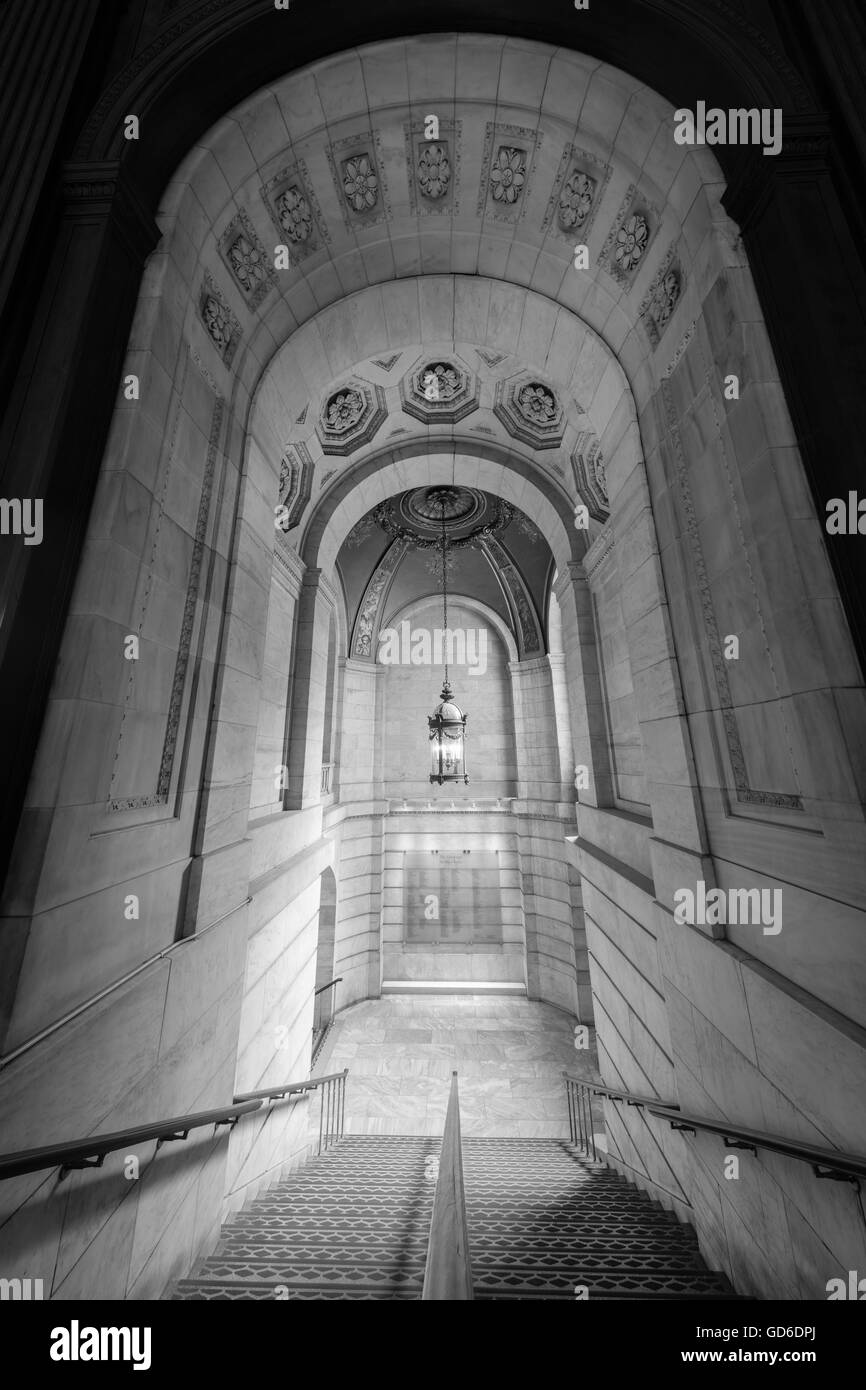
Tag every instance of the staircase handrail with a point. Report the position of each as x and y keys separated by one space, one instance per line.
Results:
x=825 y=1163
x=448 y=1270
x=91 y=1151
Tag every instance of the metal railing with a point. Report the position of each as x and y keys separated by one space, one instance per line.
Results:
x=327 y=775
x=448 y=1271
x=323 y=1014
x=579 y=1094
x=332 y=1102
x=825 y=1163
x=91 y=1151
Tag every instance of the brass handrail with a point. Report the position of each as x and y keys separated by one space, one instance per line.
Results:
x=825 y=1163
x=91 y=1151
x=448 y=1271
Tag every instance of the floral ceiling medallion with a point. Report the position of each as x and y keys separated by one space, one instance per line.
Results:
x=575 y=200
x=350 y=417
x=530 y=411
x=631 y=242
x=439 y=391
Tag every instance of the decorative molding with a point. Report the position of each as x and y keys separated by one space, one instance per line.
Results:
x=598 y=552
x=528 y=629
x=492 y=359
x=365 y=623
x=683 y=345
x=387 y=363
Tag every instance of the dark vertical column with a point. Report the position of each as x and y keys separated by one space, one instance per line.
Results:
x=53 y=438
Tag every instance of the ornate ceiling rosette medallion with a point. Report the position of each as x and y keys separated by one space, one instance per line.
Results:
x=469 y=516
x=664 y=295
x=624 y=251
x=351 y=417
x=589 y=476
x=578 y=188
x=507 y=169
x=295 y=212
x=439 y=390
x=530 y=411
x=246 y=258
x=222 y=327
x=357 y=170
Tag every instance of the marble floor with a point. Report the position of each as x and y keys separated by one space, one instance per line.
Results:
x=509 y=1055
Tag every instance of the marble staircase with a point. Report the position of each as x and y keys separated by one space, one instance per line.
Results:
x=544 y=1223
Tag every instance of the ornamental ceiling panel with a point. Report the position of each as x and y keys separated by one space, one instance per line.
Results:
x=439 y=391
x=295 y=212
x=530 y=410
x=245 y=257
x=434 y=166
x=351 y=416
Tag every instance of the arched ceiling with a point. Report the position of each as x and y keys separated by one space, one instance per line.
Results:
x=391 y=562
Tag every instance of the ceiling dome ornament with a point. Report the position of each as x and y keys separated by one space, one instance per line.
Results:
x=530 y=411
x=350 y=417
x=418 y=517
x=360 y=183
x=222 y=326
x=439 y=391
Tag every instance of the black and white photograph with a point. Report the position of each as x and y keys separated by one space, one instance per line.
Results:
x=432 y=651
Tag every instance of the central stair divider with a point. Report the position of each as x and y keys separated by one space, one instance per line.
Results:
x=448 y=1271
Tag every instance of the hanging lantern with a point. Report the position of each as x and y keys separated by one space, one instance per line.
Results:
x=447 y=724
x=447 y=740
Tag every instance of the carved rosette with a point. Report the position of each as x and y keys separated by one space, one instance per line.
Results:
x=222 y=327
x=350 y=417
x=247 y=260
x=530 y=411
x=295 y=211
x=439 y=391
x=662 y=299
